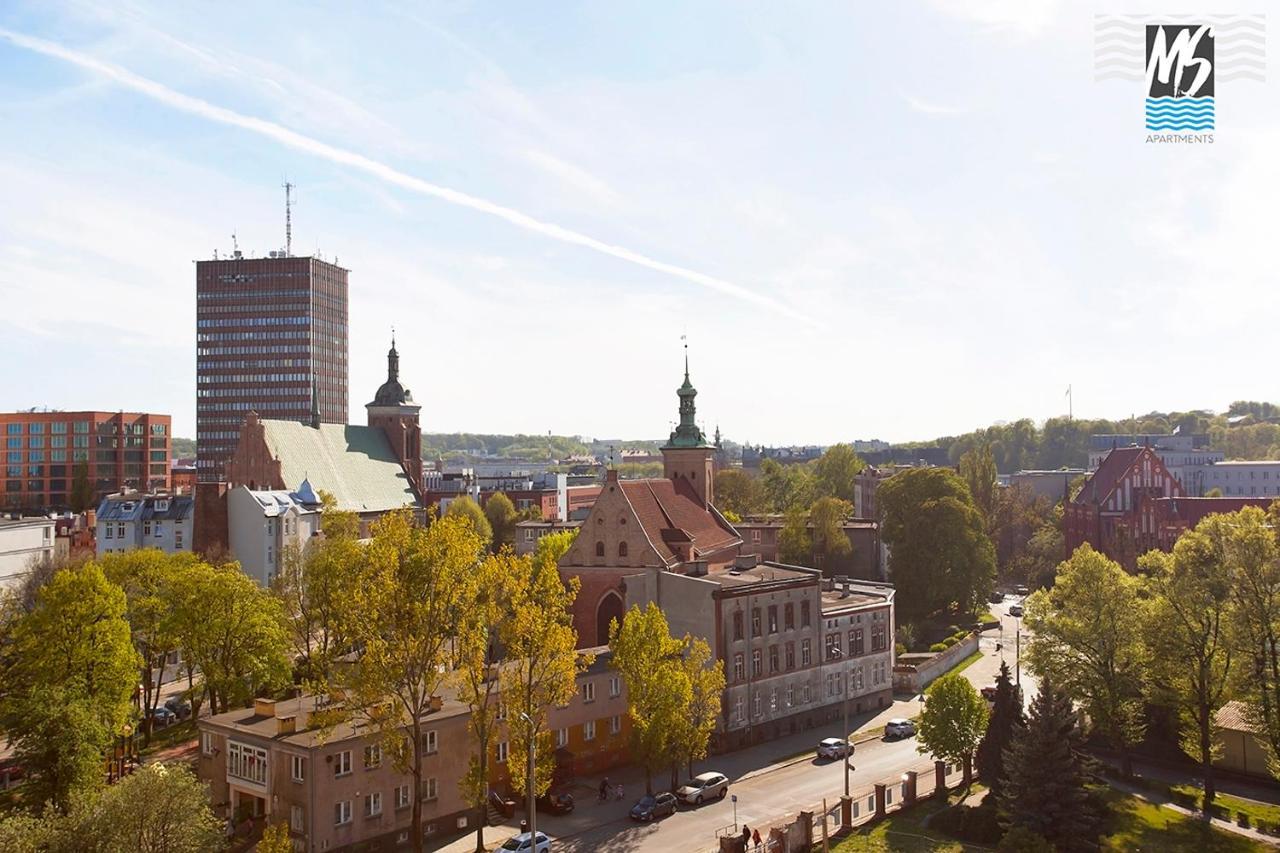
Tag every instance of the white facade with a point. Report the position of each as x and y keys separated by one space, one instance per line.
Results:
x=23 y=543
x=261 y=525
x=129 y=521
x=1236 y=479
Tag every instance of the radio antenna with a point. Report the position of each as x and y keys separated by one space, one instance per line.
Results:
x=288 y=219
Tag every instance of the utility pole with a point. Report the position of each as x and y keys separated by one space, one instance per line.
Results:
x=845 y=732
x=1017 y=666
x=529 y=784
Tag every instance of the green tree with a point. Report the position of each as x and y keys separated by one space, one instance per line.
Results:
x=706 y=680
x=71 y=673
x=835 y=473
x=231 y=630
x=940 y=554
x=658 y=688
x=405 y=614
x=978 y=468
x=83 y=495
x=953 y=722
x=467 y=508
x=501 y=515
x=275 y=839
x=739 y=492
x=827 y=517
x=786 y=487
x=1005 y=723
x=1187 y=634
x=1045 y=789
x=544 y=663
x=161 y=808
x=1088 y=638
x=795 y=542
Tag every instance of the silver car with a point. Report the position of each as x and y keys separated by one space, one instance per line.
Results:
x=899 y=728
x=833 y=747
x=704 y=786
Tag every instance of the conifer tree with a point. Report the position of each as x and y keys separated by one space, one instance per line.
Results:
x=1006 y=721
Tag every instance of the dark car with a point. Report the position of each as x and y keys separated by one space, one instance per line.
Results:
x=996 y=597
x=180 y=707
x=555 y=803
x=989 y=693
x=653 y=806
x=162 y=717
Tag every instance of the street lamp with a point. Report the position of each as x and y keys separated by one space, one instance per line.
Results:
x=529 y=785
x=844 y=754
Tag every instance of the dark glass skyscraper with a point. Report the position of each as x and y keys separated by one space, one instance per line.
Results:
x=271 y=337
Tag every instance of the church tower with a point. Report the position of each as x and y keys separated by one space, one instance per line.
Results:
x=687 y=455
x=395 y=413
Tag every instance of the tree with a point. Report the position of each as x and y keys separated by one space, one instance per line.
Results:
x=835 y=473
x=1088 y=639
x=158 y=809
x=485 y=596
x=658 y=688
x=71 y=675
x=83 y=495
x=544 y=662
x=739 y=492
x=232 y=631
x=978 y=468
x=939 y=551
x=795 y=542
x=1188 y=626
x=1038 y=564
x=314 y=585
x=467 y=508
x=786 y=487
x=1005 y=723
x=405 y=614
x=827 y=517
x=275 y=839
x=706 y=680
x=1045 y=786
x=501 y=515
x=1248 y=542
x=953 y=722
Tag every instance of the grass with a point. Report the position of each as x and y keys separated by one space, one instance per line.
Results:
x=1256 y=811
x=178 y=733
x=1135 y=824
x=903 y=831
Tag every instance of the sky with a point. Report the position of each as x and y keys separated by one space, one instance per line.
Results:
x=890 y=220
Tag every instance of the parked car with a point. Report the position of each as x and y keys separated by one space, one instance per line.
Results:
x=161 y=717
x=524 y=843
x=996 y=597
x=704 y=786
x=833 y=747
x=1015 y=609
x=989 y=693
x=652 y=806
x=555 y=803
x=180 y=707
x=899 y=728
x=1021 y=590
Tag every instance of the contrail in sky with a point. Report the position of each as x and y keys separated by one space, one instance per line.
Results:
x=342 y=156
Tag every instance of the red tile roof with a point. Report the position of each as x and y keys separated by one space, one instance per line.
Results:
x=1111 y=470
x=1233 y=716
x=664 y=507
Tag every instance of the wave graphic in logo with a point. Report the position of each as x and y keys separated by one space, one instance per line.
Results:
x=1194 y=114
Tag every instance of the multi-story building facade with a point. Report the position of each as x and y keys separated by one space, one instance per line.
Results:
x=1238 y=478
x=530 y=533
x=24 y=544
x=131 y=520
x=865 y=559
x=1181 y=454
x=271 y=337
x=119 y=450
x=264 y=524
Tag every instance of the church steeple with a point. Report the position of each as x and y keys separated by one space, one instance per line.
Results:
x=686 y=457
x=393 y=360
x=687 y=434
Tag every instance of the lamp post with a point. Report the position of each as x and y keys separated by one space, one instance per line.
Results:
x=530 y=787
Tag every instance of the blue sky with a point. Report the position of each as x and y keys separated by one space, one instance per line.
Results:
x=872 y=220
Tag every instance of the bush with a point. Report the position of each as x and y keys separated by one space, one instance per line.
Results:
x=978 y=825
x=954 y=629
x=949 y=642
x=1019 y=839
x=1242 y=819
x=938 y=647
x=899 y=649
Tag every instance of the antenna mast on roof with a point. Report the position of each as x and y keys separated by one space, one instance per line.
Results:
x=288 y=219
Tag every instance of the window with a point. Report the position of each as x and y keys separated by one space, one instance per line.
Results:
x=297 y=768
x=737 y=625
x=791 y=695
x=615 y=685
x=755 y=621
x=342 y=813
x=755 y=536
x=755 y=705
x=372 y=756
x=342 y=763
x=738 y=672
x=109 y=528
x=430 y=742
x=808 y=693
x=806 y=653
x=430 y=788
x=773 y=700
x=856 y=646
x=773 y=659
x=373 y=804
x=589 y=730
x=615 y=724
x=791 y=656
x=206 y=743
x=878 y=637
x=833 y=645
x=146 y=528
x=247 y=762
x=773 y=618
x=402 y=797
x=755 y=663
x=502 y=752
x=789 y=616
x=622 y=549
x=296 y=820
x=738 y=709
x=804 y=614
x=588 y=691
x=562 y=738
x=599 y=549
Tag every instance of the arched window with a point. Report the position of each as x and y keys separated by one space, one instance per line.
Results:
x=599 y=549
x=622 y=549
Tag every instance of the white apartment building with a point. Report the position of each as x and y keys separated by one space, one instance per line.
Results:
x=24 y=542
x=132 y=520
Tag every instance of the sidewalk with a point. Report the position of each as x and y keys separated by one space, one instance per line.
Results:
x=1218 y=823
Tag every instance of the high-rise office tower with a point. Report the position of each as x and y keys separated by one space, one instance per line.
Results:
x=271 y=337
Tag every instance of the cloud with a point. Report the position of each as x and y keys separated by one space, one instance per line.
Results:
x=344 y=157
x=1025 y=18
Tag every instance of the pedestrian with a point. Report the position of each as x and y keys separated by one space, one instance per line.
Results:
x=746 y=834
x=619 y=790
x=755 y=838
x=604 y=789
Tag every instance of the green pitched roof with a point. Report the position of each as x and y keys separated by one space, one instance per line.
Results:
x=354 y=463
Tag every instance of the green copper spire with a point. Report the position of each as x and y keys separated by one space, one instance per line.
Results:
x=687 y=433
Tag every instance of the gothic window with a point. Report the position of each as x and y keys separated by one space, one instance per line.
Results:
x=622 y=549
x=599 y=549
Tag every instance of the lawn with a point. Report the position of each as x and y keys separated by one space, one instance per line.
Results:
x=905 y=832
x=1256 y=811
x=1136 y=824
x=183 y=732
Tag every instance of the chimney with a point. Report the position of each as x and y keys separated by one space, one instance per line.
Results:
x=611 y=475
x=264 y=707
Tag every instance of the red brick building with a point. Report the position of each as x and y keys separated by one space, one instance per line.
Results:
x=121 y=450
